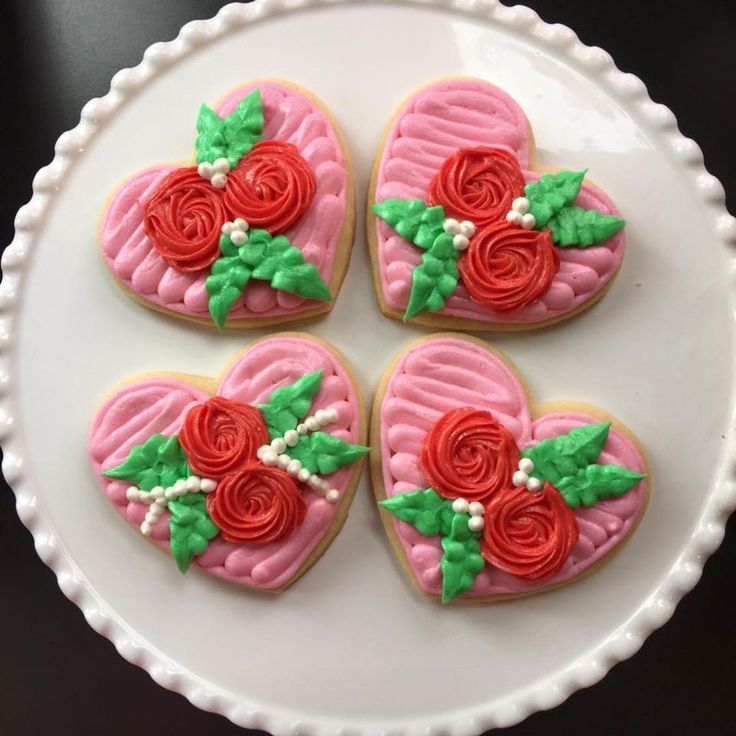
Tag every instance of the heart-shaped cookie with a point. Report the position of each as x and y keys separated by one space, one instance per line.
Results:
x=486 y=494
x=255 y=230
x=467 y=231
x=248 y=477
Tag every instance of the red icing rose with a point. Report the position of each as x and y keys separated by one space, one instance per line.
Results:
x=506 y=267
x=184 y=218
x=528 y=534
x=258 y=504
x=271 y=187
x=478 y=184
x=221 y=436
x=468 y=454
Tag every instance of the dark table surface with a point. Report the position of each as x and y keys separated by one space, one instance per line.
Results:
x=57 y=676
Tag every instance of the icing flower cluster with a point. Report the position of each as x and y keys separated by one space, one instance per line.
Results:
x=242 y=181
x=506 y=255
x=227 y=471
x=494 y=504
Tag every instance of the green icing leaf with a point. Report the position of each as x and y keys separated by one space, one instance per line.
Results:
x=263 y=257
x=276 y=260
x=233 y=136
x=225 y=284
x=288 y=404
x=569 y=453
x=426 y=510
x=551 y=192
x=461 y=561
x=159 y=461
x=596 y=482
x=412 y=219
x=576 y=226
x=324 y=453
x=434 y=280
x=191 y=528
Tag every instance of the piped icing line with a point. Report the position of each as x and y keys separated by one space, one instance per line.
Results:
x=526 y=266
x=158 y=497
x=257 y=378
x=455 y=425
x=276 y=453
x=305 y=202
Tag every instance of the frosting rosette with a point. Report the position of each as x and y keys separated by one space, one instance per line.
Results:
x=258 y=504
x=468 y=454
x=528 y=534
x=478 y=184
x=507 y=267
x=221 y=436
x=183 y=220
x=271 y=187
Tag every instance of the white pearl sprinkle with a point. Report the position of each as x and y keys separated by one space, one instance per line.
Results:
x=291 y=437
x=157 y=492
x=301 y=428
x=526 y=465
x=145 y=528
x=476 y=508
x=206 y=170
x=534 y=484
x=312 y=424
x=315 y=482
x=521 y=205
x=156 y=510
x=332 y=415
x=218 y=181
x=304 y=475
x=467 y=228
x=180 y=486
x=278 y=445
x=239 y=237
x=170 y=493
x=193 y=482
x=460 y=242
x=132 y=493
x=241 y=224
x=460 y=506
x=333 y=495
x=527 y=221
x=208 y=485
x=323 y=417
x=262 y=450
x=269 y=458
x=514 y=217
x=476 y=523
x=451 y=226
x=519 y=478
x=221 y=166
x=294 y=467
x=283 y=461
x=227 y=228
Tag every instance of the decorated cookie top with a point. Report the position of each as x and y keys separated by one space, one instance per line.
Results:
x=251 y=228
x=512 y=505
x=453 y=181
x=241 y=469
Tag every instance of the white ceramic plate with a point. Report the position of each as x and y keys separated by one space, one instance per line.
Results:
x=351 y=647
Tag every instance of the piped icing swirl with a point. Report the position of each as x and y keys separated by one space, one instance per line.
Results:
x=160 y=405
x=468 y=454
x=289 y=117
x=441 y=374
x=433 y=125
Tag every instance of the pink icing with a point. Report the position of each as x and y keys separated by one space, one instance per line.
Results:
x=138 y=410
x=289 y=116
x=444 y=373
x=432 y=125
